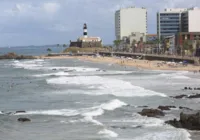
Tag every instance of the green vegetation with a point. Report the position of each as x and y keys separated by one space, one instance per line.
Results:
x=77 y=49
x=49 y=50
x=117 y=43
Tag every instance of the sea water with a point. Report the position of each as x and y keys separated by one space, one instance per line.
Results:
x=80 y=100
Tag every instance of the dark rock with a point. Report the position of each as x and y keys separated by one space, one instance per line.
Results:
x=151 y=112
x=15 y=56
x=179 y=96
x=188 y=120
x=21 y=111
x=166 y=107
x=185 y=88
x=24 y=120
x=194 y=96
x=142 y=106
x=53 y=69
x=180 y=107
x=190 y=88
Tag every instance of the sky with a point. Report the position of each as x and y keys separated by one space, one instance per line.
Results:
x=41 y=22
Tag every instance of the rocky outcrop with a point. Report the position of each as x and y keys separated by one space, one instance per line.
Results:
x=166 y=107
x=194 y=96
x=20 y=111
x=144 y=106
x=15 y=56
x=179 y=96
x=186 y=96
x=151 y=113
x=186 y=108
x=189 y=120
x=189 y=88
x=24 y=120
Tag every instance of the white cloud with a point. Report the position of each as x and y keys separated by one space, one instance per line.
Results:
x=61 y=19
x=51 y=7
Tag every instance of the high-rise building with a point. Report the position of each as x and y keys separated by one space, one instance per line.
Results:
x=169 y=22
x=190 y=20
x=130 y=20
x=174 y=20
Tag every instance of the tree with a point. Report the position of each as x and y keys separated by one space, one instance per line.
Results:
x=185 y=46
x=49 y=50
x=117 y=43
x=133 y=45
x=64 y=45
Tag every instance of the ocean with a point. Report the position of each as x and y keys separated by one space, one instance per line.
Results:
x=81 y=100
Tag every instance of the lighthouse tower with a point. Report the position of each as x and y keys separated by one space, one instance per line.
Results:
x=85 y=30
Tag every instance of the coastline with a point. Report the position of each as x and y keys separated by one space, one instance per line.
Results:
x=142 y=64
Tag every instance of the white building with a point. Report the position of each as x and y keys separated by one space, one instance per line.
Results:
x=129 y=20
x=190 y=20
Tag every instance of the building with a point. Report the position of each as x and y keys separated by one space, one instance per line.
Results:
x=174 y=20
x=169 y=22
x=136 y=37
x=130 y=20
x=190 y=21
x=85 y=41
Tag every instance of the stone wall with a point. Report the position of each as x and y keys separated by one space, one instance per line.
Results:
x=85 y=44
x=75 y=44
x=91 y=44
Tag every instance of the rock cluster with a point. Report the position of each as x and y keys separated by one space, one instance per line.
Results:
x=188 y=120
x=186 y=96
x=151 y=113
x=15 y=56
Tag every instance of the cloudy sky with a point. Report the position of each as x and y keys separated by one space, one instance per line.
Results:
x=39 y=22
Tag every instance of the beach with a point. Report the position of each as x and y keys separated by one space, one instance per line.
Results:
x=142 y=64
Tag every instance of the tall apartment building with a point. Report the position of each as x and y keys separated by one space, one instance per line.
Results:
x=175 y=20
x=190 y=20
x=130 y=20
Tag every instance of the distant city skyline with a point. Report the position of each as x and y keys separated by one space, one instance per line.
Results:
x=40 y=22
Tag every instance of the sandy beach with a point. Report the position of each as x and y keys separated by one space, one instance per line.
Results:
x=143 y=64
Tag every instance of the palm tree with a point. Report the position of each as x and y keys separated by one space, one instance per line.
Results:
x=117 y=43
x=49 y=50
x=133 y=45
x=185 y=46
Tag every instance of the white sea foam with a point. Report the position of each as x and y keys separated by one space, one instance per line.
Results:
x=61 y=112
x=169 y=134
x=52 y=74
x=164 y=132
x=99 y=110
x=113 y=105
x=175 y=75
x=143 y=121
x=86 y=113
x=181 y=77
x=105 y=86
x=108 y=133
x=28 y=64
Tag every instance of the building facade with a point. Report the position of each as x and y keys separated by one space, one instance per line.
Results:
x=129 y=20
x=172 y=21
x=190 y=21
x=169 y=22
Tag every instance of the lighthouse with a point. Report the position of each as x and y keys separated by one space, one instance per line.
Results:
x=85 y=30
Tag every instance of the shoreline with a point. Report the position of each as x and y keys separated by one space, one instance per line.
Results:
x=143 y=64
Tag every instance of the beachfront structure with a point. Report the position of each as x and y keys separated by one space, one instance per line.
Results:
x=86 y=41
x=130 y=20
x=174 y=20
